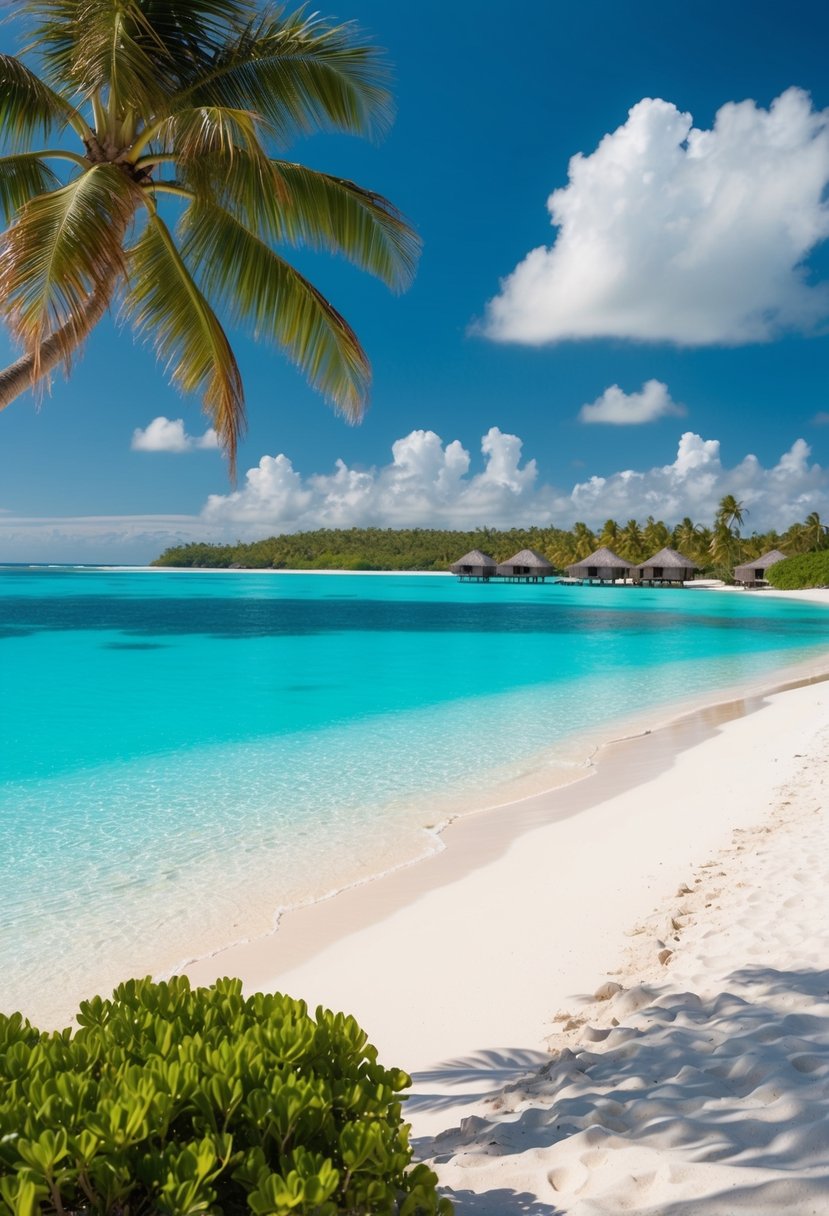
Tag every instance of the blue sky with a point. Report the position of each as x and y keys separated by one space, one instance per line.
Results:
x=493 y=101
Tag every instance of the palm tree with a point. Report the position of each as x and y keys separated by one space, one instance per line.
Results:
x=584 y=541
x=723 y=546
x=686 y=536
x=632 y=542
x=815 y=531
x=609 y=535
x=655 y=535
x=180 y=104
x=730 y=512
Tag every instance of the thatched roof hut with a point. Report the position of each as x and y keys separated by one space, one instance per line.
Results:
x=754 y=572
x=667 y=566
x=474 y=565
x=603 y=566
x=528 y=565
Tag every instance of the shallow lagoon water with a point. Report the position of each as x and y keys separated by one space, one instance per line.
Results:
x=186 y=753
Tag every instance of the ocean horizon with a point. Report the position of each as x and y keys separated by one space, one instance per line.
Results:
x=186 y=757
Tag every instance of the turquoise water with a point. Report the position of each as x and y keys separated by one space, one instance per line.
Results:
x=184 y=754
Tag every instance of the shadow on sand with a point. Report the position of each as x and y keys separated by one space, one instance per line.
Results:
x=738 y=1081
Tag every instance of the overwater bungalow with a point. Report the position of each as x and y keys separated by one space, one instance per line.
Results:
x=527 y=566
x=475 y=566
x=667 y=566
x=753 y=574
x=603 y=566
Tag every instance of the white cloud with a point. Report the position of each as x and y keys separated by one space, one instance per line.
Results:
x=696 y=480
x=671 y=233
x=821 y=418
x=430 y=484
x=425 y=484
x=619 y=408
x=168 y=435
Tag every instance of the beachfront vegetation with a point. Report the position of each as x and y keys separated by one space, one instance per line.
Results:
x=180 y=1101
x=716 y=549
x=802 y=570
x=174 y=204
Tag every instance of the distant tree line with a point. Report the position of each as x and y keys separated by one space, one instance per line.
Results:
x=716 y=549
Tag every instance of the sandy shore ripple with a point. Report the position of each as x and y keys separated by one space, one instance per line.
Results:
x=696 y=1079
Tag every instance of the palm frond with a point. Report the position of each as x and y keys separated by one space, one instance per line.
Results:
x=21 y=178
x=325 y=212
x=63 y=248
x=263 y=290
x=28 y=107
x=196 y=30
x=165 y=303
x=288 y=203
x=177 y=37
x=193 y=133
x=300 y=74
x=118 y=53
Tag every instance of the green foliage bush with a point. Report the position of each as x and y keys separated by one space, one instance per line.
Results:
x=183 y=1101
x=803 y=570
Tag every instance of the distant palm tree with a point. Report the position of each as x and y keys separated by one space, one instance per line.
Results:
x=655 y=535
x=686 y=537
x=632 y=542
x=816 y=531
x=584 y=541
x=185 y=100
x=609 y=534
x=723 y=546
x=730 y=512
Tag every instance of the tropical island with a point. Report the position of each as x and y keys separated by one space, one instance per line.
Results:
x=716 y=549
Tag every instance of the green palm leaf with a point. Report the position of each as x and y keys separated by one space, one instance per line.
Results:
x=194 y=133
x=264 y=291
x=300 y=74
x=325 y=212
x=291 y=204
x=76 y=38
x=21 y=178
x=183 y=24
x=28 y=107
x=114 y=48
x=165 y=303
x=63 y=248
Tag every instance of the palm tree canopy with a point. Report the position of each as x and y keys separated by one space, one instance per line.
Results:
x=731 y=512
x=183 y=105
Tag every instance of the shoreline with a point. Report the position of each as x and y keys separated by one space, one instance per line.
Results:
x=468 y=840
x=468 y=984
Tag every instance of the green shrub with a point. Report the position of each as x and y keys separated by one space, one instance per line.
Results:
x=803 y=570
x=182 y=1101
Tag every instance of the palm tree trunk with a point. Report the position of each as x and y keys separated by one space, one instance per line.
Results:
x=21 y=375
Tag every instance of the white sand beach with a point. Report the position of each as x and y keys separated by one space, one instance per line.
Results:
x=615 y=997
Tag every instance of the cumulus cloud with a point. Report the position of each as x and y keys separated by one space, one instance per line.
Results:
x=619 y=408
x=696 y=480
x=426 y=483
x=168 y=435
x=671 y=233
x=430 y=483
x=821 y=418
